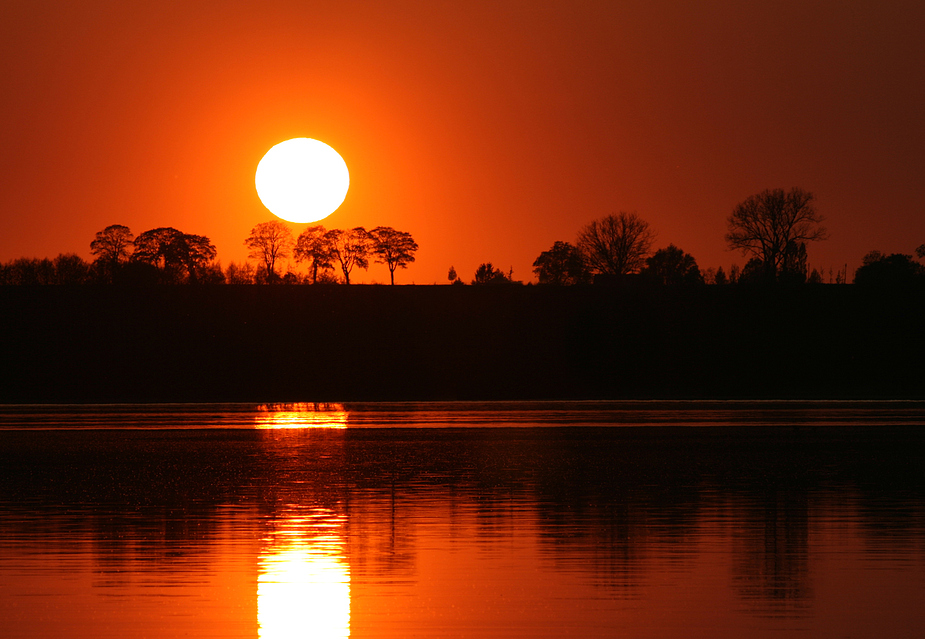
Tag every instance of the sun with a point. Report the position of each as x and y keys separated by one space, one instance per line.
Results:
x=302 y=180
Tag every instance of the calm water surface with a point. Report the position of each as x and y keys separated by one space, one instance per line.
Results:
x=585 y=519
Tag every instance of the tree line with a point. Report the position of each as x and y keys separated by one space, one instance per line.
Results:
x=325 y=252
x=771 y=228
x=169 y=256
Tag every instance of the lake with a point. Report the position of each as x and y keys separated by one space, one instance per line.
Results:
x=508 y=519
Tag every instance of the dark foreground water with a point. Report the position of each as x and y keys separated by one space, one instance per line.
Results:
x=638 y=519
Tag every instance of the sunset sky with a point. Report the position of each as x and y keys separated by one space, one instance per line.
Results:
x=488 y=130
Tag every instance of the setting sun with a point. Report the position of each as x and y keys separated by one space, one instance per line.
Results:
x=302 y=180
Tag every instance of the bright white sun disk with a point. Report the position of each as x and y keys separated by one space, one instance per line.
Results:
x=302 y=180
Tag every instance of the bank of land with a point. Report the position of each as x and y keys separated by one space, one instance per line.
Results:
x=351 y=343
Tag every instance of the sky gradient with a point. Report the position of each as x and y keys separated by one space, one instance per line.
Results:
x=488 y=130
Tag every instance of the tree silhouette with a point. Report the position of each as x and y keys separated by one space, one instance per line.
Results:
x=765 y=224
x=67 y=268
x=754 y=272
x=314 y=247
x=28 y=271
x=734 y=273
x=194 y=253
x=175 y=253
x=269 y=242
x=671 y=265
x=393 y=248
x=562 y=264
x=794 y=266
x=154 y=247
x=111 y=247
x=349 y=249
x=889 y=270
x=210 y=273
x=239 y=273
x=70 y=268
x=486 y=273
x=616 y=244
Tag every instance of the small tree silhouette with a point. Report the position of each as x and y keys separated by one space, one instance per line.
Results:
x=112 y=247
x=562 y=264
x=671 y=265
x=314 y=247
x=349 y=249
x=486 y=273
x=393 y=248
x=269 y=242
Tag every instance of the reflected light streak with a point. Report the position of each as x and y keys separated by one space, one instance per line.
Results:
x=303 y=587
x=304 y=415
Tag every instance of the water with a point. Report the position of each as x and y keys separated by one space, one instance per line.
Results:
x=586 y=519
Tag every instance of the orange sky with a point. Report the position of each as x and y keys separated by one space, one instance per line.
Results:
x=488 y=130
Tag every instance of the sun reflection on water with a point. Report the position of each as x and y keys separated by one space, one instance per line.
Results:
x=301 y=415
x=303 y=585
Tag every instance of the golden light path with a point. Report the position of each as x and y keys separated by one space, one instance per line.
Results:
x=304 y=415
x=303 y=585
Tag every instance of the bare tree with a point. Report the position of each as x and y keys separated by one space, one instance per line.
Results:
x=239 y=273
x=314 y=247
x=764 y=225
x=350 y=249
x=393 y=248
x=28 y=271
x=617 y=244
x=269 y=242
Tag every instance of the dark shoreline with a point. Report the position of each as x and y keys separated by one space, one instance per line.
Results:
x=86 y=344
